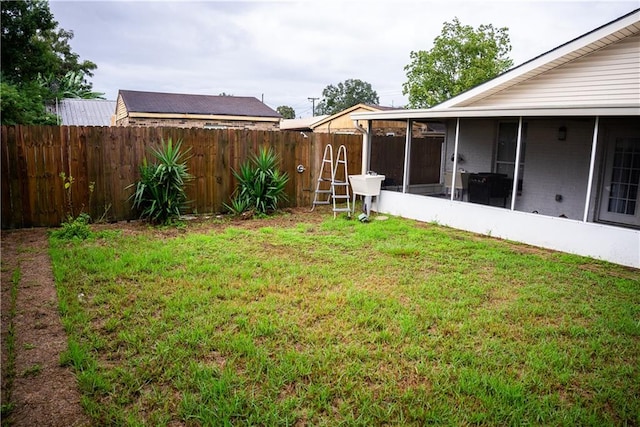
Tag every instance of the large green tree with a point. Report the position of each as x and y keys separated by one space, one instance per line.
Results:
x=37 y=64
x=346 y=94
x=462 y=57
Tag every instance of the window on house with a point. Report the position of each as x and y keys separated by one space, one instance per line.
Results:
x=625 y=176
x=506 y=150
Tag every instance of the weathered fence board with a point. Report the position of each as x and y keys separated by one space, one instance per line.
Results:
x=108 y=159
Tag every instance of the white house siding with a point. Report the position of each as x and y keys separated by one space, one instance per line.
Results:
x=610 y=76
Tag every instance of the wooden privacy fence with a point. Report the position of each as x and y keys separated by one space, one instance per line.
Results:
x=107 y=160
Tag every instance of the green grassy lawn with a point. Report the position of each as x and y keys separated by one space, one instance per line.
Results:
x=342 y=323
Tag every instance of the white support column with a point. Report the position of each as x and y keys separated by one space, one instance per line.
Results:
x=366 y=148
x=516 y=168
x=592 y=164
x=369 y=139
x=455 y=159
x=407 y=157
x=366 y=145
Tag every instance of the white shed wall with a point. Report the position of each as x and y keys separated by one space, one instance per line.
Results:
x=609 y=76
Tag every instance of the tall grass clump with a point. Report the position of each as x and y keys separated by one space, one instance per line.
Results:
x=261 y=185
x=160 y=195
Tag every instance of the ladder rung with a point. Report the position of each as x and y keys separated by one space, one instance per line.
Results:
x=324 y=191
x=341 y=210
x=340 y=183
x=325 y=202
x=341 y=196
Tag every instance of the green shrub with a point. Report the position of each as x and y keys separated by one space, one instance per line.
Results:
x=260 y=185
x=160 y=195
x=74 y=228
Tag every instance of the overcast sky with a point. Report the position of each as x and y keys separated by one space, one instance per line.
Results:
x=289 y=51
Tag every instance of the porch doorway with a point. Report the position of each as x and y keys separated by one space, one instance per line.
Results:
x=620 y=201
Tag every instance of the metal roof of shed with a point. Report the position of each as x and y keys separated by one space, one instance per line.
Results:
x=84 y=112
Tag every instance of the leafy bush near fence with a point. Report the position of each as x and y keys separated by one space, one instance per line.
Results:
x=261 y=185
x=160 y=195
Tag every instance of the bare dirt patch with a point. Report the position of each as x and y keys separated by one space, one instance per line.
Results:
x=43 y=393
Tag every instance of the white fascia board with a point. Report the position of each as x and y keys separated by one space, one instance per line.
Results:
x=556 y=57
x=448 y=113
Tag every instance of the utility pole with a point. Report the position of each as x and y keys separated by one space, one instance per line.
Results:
x=313 y=105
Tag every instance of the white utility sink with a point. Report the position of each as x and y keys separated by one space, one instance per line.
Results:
x=368 y=186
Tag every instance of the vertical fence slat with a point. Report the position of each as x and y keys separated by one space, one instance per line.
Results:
x=11 y=198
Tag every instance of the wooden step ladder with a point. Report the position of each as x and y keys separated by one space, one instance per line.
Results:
x=333 y=181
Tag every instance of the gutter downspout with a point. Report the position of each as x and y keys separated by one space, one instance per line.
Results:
x=592 y=164
x=366 y=134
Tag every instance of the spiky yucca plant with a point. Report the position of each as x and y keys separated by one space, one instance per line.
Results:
x=261 y=184
x=160 y=195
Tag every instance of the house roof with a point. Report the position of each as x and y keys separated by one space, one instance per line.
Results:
x=177 y=103
x=84 y=112
x=462 y=104
x=361 y=106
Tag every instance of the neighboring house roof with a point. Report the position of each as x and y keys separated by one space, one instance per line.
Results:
x=597 y=74
x=206 y=105
x=84 y=112
x=358 y=107
x=300 y=124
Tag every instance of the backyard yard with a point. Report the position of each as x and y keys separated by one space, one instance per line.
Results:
x=302 y=319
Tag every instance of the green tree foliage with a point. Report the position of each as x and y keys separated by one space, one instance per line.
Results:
x=346 y=94
x=462 y=57
x=33 y=47
x=71 y=85
x=23 y=105
x=286 y=112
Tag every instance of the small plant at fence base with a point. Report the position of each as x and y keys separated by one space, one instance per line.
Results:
x=261 y=185
x=160 y=195
x=74 y=226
